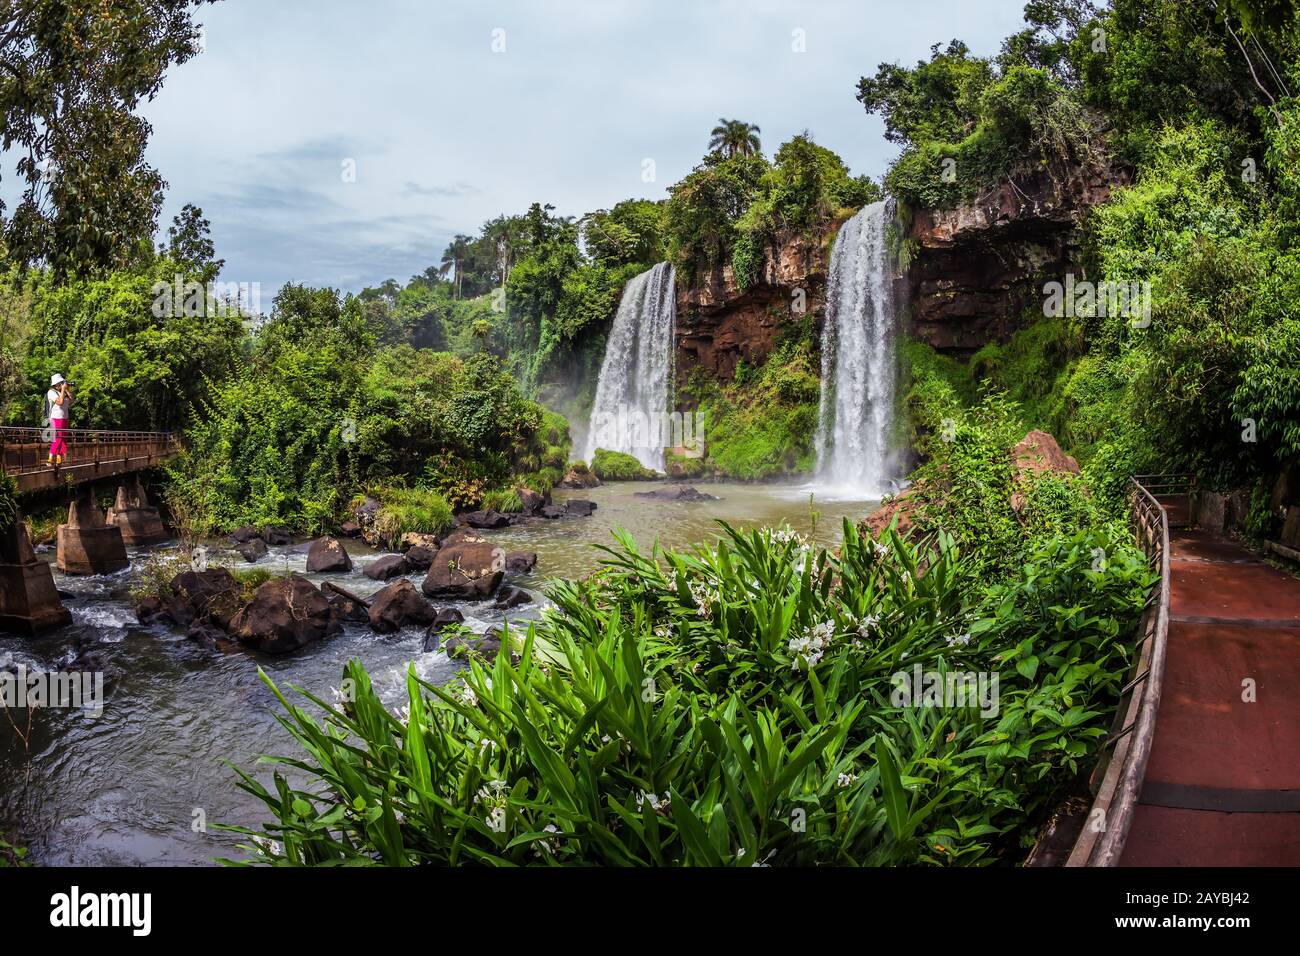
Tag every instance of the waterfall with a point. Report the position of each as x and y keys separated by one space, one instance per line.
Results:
x=632 y=395
x=858 y=362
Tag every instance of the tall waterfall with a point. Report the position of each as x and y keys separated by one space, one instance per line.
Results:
x=632 y=394
x=858 y=361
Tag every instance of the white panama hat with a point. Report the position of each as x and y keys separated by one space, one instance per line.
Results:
x=56 y=379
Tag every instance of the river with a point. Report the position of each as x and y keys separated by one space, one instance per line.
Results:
x=143 y=783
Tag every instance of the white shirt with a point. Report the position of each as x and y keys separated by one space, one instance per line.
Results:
x=56 y=410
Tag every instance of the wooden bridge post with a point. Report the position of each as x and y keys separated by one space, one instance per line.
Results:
x=139 y=521
x=87 y=544
x=29 y=601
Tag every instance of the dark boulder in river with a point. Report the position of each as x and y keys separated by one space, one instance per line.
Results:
x=441 y=621
x=521 y=562
x=682 y=493
x=553 y=511
x=486 y=520
x=420 y=557
x=580 y=508
x=509 y=597
x=466 y=571
x=349 y=608
x=276 y=537
x=285 y=614
x=327 y=555
x=389 y=566
x=533 y=501
x=252 y=549
x=400 y=605
x=213 y=595
x=488 y=645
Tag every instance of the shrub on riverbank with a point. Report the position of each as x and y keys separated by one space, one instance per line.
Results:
x=736 y=705
x=619 y=466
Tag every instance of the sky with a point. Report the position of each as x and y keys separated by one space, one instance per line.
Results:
x=450 y=112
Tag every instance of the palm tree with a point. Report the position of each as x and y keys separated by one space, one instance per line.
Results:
x=735 y=138
x=453 y=259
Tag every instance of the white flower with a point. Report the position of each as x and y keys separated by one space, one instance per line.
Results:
x=880 y=549
x=551 y=846
x=811 y=648
x=960 y=640
x=845 y=780
x=866 y=624
x=404 y=715
x=491 y=792
x=660 y=805
x=269 y=847
x=824 y=631
x=486 y=744
x=703 y=596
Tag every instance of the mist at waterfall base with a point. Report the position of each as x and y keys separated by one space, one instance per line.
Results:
x=859 y=367
x=632 y=394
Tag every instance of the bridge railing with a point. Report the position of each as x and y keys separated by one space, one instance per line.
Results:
x=25 y=450
x=1127 y=750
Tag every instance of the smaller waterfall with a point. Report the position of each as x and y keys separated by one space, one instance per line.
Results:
x=633 y=392
x=858 y=362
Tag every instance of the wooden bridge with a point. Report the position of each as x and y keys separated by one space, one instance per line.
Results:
x=1202 y=767
x=91 y=455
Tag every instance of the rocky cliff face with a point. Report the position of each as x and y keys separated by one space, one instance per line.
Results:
x=976 y=271
x=718 y=324
x=968 y=275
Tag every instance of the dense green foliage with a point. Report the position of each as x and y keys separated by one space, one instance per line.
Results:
x=735 y=705
x=733 y=208
x=1195 y=103
x=618 y=466
x=763 y=424
x=320 y=407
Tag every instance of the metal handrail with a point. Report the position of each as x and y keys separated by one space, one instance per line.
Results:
x=23 y=449
x=1106 y=828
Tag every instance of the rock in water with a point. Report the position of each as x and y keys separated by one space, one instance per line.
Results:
x=488 y=645
x=276 y=537
x=579 y=476
x=213 y=594
x=521 y=562
x=252 y=549
x=684 y=493
x=285 y=614
x=466 y=571
x=328 y=556
x=553 y=511
x=389 y=566
x=420 y=557
x=533 y=502
x=580 y=508
x=509 y=597
x=441 y=621
x=486 y=520
x=400 y=605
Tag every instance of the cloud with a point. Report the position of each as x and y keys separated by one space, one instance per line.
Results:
x=447 y=134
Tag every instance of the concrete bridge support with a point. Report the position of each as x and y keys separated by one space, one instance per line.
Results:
x=87 y=544
x=29 y=602
x=138 y=520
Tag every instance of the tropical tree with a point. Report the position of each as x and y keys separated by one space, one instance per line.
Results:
x=72 y=74
x=453 y=259
x=735 y=138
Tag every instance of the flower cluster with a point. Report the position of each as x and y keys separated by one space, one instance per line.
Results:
x=811 y=647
